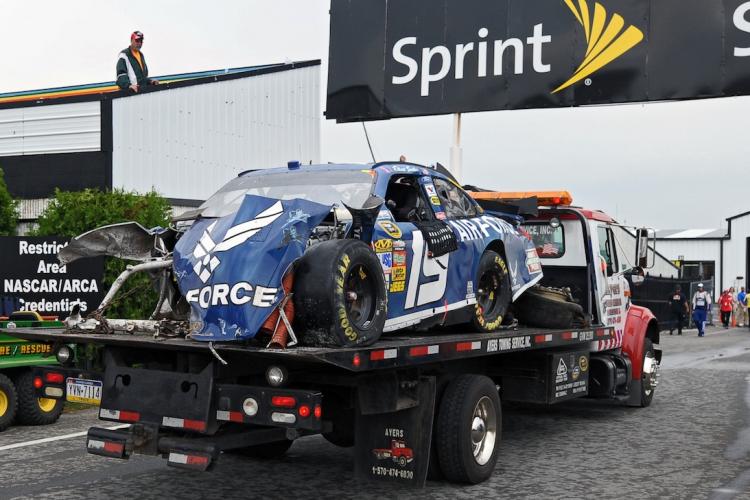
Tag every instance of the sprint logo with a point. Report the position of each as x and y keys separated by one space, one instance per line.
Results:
x=206 y=248
x=606 y=40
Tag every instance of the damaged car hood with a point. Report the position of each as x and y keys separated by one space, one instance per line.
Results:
x=230 y=269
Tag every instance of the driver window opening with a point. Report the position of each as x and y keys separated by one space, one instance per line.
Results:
x=405 y=201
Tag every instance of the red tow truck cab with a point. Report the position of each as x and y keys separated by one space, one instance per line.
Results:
x=588 y=252
x=398 y=452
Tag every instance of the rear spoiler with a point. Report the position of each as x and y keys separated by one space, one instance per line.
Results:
x=495 y=202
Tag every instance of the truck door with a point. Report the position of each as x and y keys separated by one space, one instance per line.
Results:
x=613 y=288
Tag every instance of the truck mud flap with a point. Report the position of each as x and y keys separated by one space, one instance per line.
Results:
x=395 y=447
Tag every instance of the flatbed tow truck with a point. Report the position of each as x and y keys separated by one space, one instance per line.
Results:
x=437 y=393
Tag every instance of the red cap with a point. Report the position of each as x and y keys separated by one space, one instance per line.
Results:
x=137 y=35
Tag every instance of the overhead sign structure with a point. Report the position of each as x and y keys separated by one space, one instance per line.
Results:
x=391 y=58
x=33 y=279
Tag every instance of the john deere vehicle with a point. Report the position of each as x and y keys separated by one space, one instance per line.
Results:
x=18 y=401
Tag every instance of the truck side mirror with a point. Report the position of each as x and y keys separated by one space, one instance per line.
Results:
x=645 y=255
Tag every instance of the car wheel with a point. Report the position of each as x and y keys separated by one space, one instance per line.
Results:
x=493 y=292
x=649 y=373
x=339 y=295
x=468 y=429
x=544 y=307
x=33 y=410
x=8 y=402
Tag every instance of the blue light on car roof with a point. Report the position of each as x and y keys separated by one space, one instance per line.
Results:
x=293 y=165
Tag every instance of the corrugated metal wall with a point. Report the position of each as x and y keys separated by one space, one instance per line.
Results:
x=690 y=249
x=187 y=142
x=56 y=128
x=735 y=253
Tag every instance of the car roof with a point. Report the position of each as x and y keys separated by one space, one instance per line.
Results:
x=327 y=167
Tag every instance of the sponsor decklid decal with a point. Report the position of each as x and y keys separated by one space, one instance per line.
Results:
x=230 y=269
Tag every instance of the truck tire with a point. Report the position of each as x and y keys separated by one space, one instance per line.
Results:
x=339 y=295
x=649 y=369
x=33 y=410
x=8 y=402
x=276 y=449
x=468 y=429
x=544 y=307
x=492 y=291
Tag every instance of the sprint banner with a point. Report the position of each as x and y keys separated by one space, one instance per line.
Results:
x=396 y=58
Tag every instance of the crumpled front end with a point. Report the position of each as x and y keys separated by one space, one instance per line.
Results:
x=230 y=269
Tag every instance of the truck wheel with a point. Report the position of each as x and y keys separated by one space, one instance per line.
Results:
x=33 y=410
x=276 y=449
x=468 y=429
x=8 y=402
x=544 y=307
x=492 y=291
x=649 y=373
x=339 y=295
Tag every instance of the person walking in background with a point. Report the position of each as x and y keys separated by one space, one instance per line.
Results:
x=678 y=307
x=132 y=71
x=742 y=307
x=725 y=306
x=701 y=306
x=733 y=312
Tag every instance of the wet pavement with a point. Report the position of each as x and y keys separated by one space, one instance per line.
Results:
x=692 y=442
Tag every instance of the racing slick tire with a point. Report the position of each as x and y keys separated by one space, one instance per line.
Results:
x=8 y=402
x=544 y=307
x=277 y=449
x=339 y=295
x=33 y=410
x=493 y=292
x=468 y=429
x=648 y=373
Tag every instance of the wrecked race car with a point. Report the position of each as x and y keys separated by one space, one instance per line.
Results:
x=330 y=255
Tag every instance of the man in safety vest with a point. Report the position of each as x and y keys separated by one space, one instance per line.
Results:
x=132 y=71
x=701 y=306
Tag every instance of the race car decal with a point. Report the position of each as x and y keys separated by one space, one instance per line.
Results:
x=230 y=269
x=390 y=228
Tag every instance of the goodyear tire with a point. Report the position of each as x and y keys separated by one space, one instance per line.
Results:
x=468 y=429
x=33 y=410
x=339 y=295
x=8 y=402
x=493 y=292
x=544 y=307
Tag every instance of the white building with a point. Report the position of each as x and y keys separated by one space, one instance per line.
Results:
x=721 y=254
x=183 y=138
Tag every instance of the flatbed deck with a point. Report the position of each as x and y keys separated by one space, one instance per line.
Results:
x=392 y=350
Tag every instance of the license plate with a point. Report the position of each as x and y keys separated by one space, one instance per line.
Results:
x=80 y=390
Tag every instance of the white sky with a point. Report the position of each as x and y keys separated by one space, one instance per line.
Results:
x=666 y=165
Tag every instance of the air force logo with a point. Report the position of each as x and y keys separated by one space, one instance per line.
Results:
x=206 y=249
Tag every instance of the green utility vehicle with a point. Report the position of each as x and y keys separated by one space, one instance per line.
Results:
x=18 y=401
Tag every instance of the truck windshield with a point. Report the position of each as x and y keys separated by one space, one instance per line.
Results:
x=549 y=241
x=328 y=187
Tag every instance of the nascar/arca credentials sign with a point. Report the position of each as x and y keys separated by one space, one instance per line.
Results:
x=395 y=58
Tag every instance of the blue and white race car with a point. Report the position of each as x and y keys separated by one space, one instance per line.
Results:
x=361 y=249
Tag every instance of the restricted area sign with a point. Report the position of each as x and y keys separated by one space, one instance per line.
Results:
x=392 y=59
x=33 y=279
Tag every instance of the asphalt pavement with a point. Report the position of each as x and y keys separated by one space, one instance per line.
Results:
x=692 y=442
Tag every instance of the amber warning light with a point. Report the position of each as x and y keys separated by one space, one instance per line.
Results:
x=544 y=198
